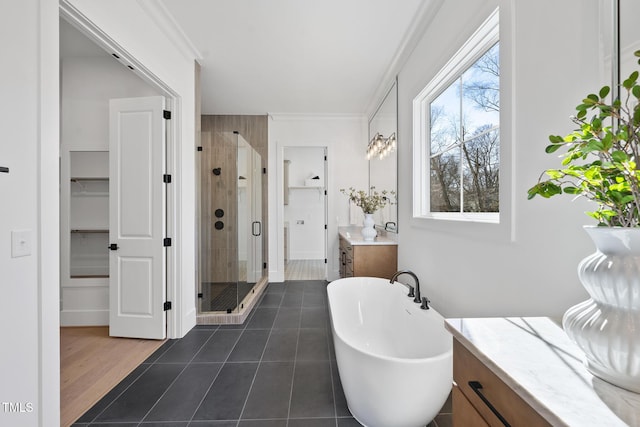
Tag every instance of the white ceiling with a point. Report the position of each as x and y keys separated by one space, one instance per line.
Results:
x=294 y=56
x=286 y=56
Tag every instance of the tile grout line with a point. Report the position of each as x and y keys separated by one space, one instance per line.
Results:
x=186 y=365
x=295 y=360
x=215 y=378
x=125 y=389
x=329 y=337
x=259 y=362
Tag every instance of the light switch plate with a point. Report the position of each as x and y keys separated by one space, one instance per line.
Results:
x=20 y=243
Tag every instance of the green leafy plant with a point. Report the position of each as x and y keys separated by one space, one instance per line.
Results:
x=600 y=162
x=371 y=202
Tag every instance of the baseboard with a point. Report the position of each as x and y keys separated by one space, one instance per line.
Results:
x=306 y=256
x=84 y=318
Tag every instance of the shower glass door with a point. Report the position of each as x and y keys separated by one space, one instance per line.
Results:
x=231 y=222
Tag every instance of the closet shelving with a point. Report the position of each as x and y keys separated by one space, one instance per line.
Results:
x=88 y=215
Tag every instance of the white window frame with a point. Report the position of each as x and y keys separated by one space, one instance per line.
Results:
x=477 y=45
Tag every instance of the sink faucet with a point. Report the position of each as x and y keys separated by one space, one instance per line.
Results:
x=415 y=279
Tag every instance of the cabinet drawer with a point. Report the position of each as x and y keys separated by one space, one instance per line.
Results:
x=476 y=382
x=464 y=414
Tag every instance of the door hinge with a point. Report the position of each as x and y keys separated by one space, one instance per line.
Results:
x=199 y=148
x=325 y=158
x=325 y=261
x=166 y=242
x=167 y=305
x=264 y=171
x=200 y=295
x=166 y=178
x=166 y=114
x=264 y=265
x=325 y=227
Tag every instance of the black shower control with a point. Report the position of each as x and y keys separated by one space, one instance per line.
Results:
x=219 y=213
x=219 y=225
x=216 y=171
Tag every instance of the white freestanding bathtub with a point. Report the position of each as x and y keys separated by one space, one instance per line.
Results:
x=394 y=359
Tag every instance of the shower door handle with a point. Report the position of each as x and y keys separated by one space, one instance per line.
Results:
x=253 y=228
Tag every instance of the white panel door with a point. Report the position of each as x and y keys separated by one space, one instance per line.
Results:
x=137 y=218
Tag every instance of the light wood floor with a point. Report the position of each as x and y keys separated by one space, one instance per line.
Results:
x=305 y=269
x=92 y=363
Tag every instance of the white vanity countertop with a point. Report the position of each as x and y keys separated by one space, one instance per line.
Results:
x=545 y=368
x=354 y=237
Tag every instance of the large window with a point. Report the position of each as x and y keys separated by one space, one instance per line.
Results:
x=457 y=134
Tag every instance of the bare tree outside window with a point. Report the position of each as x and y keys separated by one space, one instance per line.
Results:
x=464 y=126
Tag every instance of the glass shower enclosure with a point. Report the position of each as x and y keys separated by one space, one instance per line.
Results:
x=231 y=261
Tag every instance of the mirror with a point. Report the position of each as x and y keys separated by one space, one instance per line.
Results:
x=629 y=36
x=383 y=171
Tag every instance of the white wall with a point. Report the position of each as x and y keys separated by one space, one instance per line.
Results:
x=305 y=212
x=131 y=27
x=345 y=138
x=87 y=85
x=30 y=353
x=527 y=264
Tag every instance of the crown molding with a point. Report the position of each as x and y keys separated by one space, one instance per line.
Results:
x=312 y=116
x=419 y=24
x=159 y=13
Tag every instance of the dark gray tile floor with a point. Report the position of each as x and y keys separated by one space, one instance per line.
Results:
x=278 y=369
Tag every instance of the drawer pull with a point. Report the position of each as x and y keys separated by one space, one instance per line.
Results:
x=476 y=387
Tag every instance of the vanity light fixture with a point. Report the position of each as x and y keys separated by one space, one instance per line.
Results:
x=379 y=146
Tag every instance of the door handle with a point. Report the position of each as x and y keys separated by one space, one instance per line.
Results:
x=253 y=228
x=476 y=387
x=113 y=247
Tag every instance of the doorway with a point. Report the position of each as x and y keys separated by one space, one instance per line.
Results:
x=90 y=77
x=305 y=213
x=88 y=188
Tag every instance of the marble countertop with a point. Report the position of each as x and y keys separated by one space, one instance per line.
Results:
x=545 y=368
x=353 y=236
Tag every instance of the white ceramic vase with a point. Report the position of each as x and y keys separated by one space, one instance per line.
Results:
x=369 y=230
x=607 y=326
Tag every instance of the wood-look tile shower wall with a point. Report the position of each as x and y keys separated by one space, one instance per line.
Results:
x=219 y=248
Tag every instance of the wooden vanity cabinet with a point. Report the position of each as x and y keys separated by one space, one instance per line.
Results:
x=464 y=414
x=372 y=260
x=480 y=398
